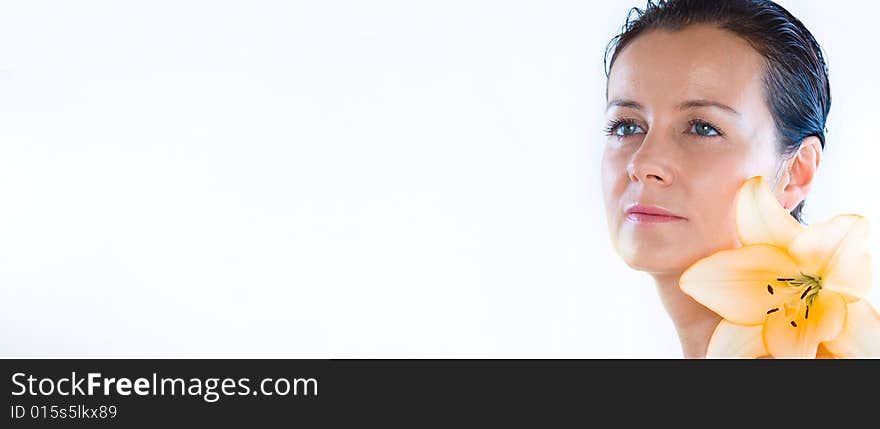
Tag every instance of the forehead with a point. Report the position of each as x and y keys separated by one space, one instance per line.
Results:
x=700 y=61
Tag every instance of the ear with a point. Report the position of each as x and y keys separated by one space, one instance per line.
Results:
x=798 y=173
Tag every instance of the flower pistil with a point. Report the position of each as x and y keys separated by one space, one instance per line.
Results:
x=810 y=287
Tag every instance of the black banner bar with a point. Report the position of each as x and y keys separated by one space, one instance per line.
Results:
x=336 y=393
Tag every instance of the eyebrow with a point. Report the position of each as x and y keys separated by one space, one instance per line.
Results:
x=690 y=104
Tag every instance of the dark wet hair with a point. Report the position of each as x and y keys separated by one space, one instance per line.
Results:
x=795 y=77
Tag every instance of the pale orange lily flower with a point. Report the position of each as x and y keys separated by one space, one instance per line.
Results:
x=790 y=288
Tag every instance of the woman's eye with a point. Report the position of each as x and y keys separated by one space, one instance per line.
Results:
x=704 y=129
x=627 y=129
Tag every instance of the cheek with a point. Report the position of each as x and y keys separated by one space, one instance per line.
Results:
x=714 y=188
x=614 y=177
x=717 y=224
x=717 y=203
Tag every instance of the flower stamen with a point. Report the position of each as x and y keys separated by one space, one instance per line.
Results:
x=770 y=289
x=793 y=324
x=772 y=310
x=805 y=292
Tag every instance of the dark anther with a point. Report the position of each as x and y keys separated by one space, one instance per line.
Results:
x=793 y=324
x=807 y=313
x=783 y=279
x=805 y=292
x=772 y=310
x=770 y=289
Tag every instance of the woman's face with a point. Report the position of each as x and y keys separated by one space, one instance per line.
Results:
x=689 y=124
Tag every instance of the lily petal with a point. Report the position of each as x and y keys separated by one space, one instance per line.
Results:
x=824 y=353
x=734 y=282
x=736 y=341
x=760 y=219
x=801 y=340
x=838 y=251
x=860 y=337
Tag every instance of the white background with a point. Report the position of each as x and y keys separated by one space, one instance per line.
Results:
x=360 y=179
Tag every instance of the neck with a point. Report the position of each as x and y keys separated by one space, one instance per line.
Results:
x=693 y=322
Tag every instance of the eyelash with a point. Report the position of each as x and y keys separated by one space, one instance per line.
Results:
x=696 y=121
x=615 y=123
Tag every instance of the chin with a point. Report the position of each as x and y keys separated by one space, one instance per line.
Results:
x=656 y=261
x=654 y=266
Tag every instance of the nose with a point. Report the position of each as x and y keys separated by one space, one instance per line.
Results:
x=652 y=163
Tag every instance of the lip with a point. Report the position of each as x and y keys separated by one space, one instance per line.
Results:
x=650 y=214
